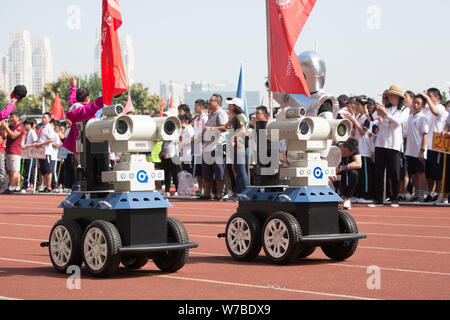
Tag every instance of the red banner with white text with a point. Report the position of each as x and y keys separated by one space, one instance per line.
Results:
x=286 y=21
x=113 y=73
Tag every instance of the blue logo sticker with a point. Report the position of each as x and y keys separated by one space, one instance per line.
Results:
x=142 y=176
x=318 y=173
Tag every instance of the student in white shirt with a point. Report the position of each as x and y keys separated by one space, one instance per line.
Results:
x=446 y=134
x=45 y=140
x=437 y=116
x=416 y=132
x=187 y=134
x=389 y=144
x=199 y=123
x=29 y=164
x=54 y=151
x=362 y=132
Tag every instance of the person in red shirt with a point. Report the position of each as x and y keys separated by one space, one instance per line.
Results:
x=13 y=133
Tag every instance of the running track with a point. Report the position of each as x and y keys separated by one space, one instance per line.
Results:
x=410 y=245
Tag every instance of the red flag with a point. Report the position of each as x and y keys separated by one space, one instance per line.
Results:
x=113 y=73
x=161 y=109
x=129 y=106
x=286 y=19
x=57 y=109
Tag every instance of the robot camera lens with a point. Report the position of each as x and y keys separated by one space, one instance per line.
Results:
x=342 y=130
x=119 y=109
x=304 y=128
x=169 y=127
x=122 y=127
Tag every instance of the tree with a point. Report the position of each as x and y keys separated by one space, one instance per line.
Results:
x=3 y=99
x=143 y=102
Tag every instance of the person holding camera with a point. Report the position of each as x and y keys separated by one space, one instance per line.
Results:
x=362 y=132
x=389 y=144
x=13 y=133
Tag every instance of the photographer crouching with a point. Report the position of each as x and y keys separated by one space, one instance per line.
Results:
x=348 y=170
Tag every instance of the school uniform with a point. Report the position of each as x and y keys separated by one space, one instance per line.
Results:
x=29 y=164
x=415 y=128
x=365 y=186
x=388 y=150
x=435 y=160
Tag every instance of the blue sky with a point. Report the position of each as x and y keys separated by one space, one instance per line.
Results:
x=183 y=40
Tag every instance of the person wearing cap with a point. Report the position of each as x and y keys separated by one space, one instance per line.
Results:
x=238 y=126
x=389 y=144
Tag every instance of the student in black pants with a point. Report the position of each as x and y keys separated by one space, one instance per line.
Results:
x=389 y=144
x=349 y=170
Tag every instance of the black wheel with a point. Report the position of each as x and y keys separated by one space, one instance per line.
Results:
x=65 y=244
x=243 y=236
x=281 y=237
x=306 y=252
x=101 y=248
x=171 y=261
x=344 y=249
x=133 y=263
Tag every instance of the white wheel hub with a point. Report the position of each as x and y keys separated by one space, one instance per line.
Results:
x=95 y=249
x=60 y=246
x=239 y=236
x=276 y=238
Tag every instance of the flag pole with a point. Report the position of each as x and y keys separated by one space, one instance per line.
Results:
x=268 y=58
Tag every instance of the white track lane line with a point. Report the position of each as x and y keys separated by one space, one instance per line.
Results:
x=268 y=287
x=193 y=251
x=212 y=237
x=353 y=266
x=8 y=298
x=221 y=226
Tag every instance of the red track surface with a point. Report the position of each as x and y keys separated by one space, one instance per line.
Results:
x=410 y=245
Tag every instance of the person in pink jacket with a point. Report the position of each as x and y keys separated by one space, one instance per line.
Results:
x=80 y=110
x=17 y=95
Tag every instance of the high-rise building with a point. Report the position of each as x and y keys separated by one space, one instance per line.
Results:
x=4 y=74
x=173 y=90
x=127 y=51
x=42 y=64
x=20 y=60
x=126 y=46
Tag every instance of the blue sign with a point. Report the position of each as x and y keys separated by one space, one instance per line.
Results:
x=142 y=176
x=318 y=173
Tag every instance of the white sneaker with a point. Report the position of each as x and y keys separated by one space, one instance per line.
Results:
x=347 y=204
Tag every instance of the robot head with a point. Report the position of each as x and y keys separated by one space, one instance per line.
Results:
x=314 y=69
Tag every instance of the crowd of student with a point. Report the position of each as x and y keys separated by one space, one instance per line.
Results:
x=395 y=136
